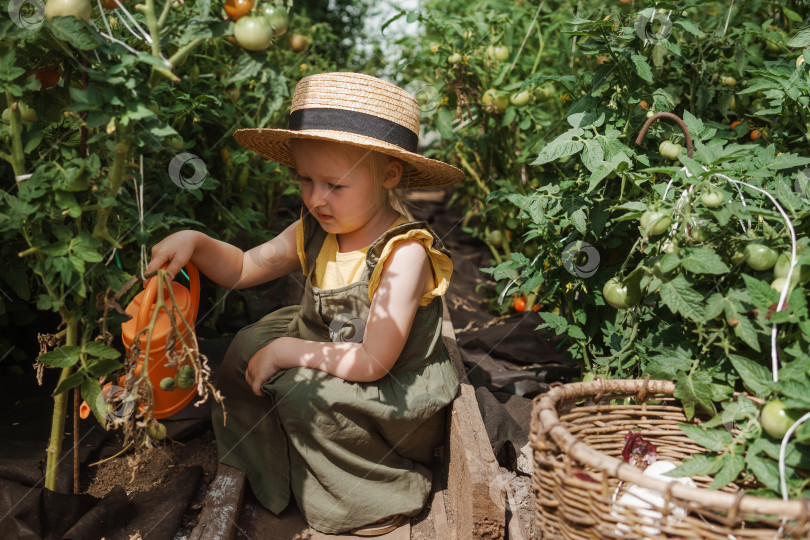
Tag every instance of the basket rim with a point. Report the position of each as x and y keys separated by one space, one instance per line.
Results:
x=545 y=417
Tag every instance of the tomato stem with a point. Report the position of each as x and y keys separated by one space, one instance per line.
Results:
x=59 y=410
x=17 y=153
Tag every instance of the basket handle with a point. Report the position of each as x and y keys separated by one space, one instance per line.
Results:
x=675 y=118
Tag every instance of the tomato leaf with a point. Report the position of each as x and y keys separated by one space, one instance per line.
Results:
x=61 y=357
x=90 y=392
x=94 y=348
x=702 y=261
x=694 y=389
x=697 y=465
x=764 y=469
x=798 y=369
x=558 y=323
x=711 y=439
x=103 y=366
x=642 y=67
x=733 y=465
x=755 y=377
x=762 y=295
x=689 y=26
x=679 y=296
x=72 y=381
x=745 y=331
x=560 y=147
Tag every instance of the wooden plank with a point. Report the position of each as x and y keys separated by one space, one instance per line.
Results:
x=475 y=498
x=222 y=506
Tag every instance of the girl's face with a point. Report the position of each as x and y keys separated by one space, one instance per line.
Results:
x=338 y=184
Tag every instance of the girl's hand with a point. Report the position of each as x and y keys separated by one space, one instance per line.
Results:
x=261 y=368
x=174 y=252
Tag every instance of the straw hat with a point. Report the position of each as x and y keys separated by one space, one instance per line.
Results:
x=355 y=109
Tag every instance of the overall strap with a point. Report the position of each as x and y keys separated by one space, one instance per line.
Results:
x=314 y=236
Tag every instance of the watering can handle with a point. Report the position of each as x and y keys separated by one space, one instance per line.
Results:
x=151 y=292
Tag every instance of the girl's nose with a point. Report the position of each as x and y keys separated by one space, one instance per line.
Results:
x=319 y=193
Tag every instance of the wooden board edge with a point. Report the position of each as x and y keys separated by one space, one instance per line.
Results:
x=221 y=506
x=474 y=496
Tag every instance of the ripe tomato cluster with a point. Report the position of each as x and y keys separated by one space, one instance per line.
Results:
x=254 y=29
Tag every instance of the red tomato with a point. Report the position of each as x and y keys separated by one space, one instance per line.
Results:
x=520 y=304
x=236 y=9
x=109 y=4
x=735 y=123
x=755 y=134
x=48 y=77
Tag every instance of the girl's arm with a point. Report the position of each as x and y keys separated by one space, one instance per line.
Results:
x=402 y=284
x=225 y=264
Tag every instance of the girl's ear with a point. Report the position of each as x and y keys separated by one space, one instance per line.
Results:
x=392 y=173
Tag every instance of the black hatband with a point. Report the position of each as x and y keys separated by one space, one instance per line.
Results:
x=355 y=122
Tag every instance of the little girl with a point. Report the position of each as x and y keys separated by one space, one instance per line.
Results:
x=339 y=401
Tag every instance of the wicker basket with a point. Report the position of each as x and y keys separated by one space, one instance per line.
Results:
x=589 y=438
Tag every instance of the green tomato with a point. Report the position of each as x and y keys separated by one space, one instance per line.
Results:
x=253 y=33
x=26 y=113
x=620 y=294
x=759 y=256
x=495 y=100
x=175 y=142
x=779 y=284
x=501 y=53
x=728 y=81
x=185 y=377
x=68 y=8
x=698 y=233
x=167 y=384
x=276 y=16
x=655 y=222
x=520 y=99
x=157 y=431
x=776 y=419
x=711 y=197
x=669 y=150
x=454 y=58
x=544 y=93
x=801 y=274
x=737 y=258
x=495 y=238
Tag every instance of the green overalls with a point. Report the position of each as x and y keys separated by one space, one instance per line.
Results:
x=352 y=453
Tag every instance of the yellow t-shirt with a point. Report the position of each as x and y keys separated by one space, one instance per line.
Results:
x=334 y=269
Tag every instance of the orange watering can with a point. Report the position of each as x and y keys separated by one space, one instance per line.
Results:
x=141 y=308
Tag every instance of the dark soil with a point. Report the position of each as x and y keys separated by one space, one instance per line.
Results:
x=160 y=466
